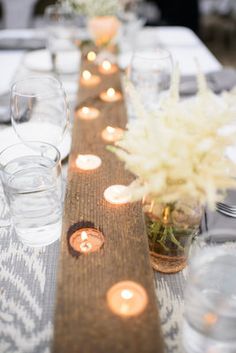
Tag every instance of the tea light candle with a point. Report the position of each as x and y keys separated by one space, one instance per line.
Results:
x=107 y=68
x=112 y=134
x=88 y=113
x=86 y=240
x=88 y=161
x=127 y=299
x=110 y=95
x=91 y=56
x=117 y=194
x=88 y=79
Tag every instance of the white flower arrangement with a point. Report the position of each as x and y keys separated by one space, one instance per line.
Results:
x=179 y=151
x=93 y=8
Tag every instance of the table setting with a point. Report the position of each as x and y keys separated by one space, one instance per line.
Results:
x=117 y=193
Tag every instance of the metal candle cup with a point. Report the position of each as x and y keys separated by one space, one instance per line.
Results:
x=88 y=79
x=86 y=240
x=107 y=68
x=112 y=134
x=88 y=113
x=110 y=95
x=127 y=299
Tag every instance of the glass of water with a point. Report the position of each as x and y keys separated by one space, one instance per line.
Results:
x=150 y=72
x=210 y=298
x=61 y=40
x=31 y=176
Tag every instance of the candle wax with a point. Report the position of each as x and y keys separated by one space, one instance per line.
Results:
x=117 y=194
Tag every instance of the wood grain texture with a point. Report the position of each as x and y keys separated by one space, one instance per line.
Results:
x=83 y=321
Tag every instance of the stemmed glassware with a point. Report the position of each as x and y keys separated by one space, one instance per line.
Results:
x=39 y=110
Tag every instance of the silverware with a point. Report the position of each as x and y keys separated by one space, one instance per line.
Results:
x=228 y=210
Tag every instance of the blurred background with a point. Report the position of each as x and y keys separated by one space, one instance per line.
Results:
x=213 y=20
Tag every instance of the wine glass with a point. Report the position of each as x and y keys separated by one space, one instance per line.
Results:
x=150 y=72
x=39 y=110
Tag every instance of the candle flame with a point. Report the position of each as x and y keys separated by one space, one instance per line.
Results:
x=106 y=65
x=84 y=235
x=85 y=110
x=91 y=56
x=210 y=319
x=110 y=129
x=86 y=75
x=126 y=294
x=111 y=92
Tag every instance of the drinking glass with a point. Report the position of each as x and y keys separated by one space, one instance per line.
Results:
x=61 y=40
x=31 y=176
x=210 y=297
x=39 y=110
x=150 y=72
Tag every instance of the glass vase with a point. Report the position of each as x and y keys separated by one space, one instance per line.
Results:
x=103 y=29
x=170 y=229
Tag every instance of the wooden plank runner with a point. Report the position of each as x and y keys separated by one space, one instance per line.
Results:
x=83 y=321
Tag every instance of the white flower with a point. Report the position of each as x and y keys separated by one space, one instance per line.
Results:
x=179 y=151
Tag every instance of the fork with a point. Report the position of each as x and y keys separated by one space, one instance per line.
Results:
x=228 y=210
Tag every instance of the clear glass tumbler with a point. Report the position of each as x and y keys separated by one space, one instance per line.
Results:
x=210 y=298
x=150 y=72
x=61 y=39
x=31 y=176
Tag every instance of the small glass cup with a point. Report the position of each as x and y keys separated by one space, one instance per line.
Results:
x=210 y=297
x=61 y=40
x=150 y=72
x=31 y=176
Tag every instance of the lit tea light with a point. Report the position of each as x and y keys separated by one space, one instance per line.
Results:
x=127 y=299
x=88 y=161
x=88 y=79
x=87 y=240
x=107 y=68
x=88 y=113
x=91 y=56
x=117 y=194
x=110 y=95
x=112 y=134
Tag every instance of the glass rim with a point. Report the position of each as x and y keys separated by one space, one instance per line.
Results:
x=36 y=78
x=166 y=54
x=58 y=154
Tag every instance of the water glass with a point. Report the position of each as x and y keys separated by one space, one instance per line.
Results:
x=61 y=40
x=31 y=176
x=150 y=72
x=210 y=298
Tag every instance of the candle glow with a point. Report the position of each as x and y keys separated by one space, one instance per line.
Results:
x=107 y=68
x=112 y=134
x=88 y=79
x=91 y=56
x=110 y=95
x=87 y=113
x=86 y=75
x=127 y=299
x=86 y=240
